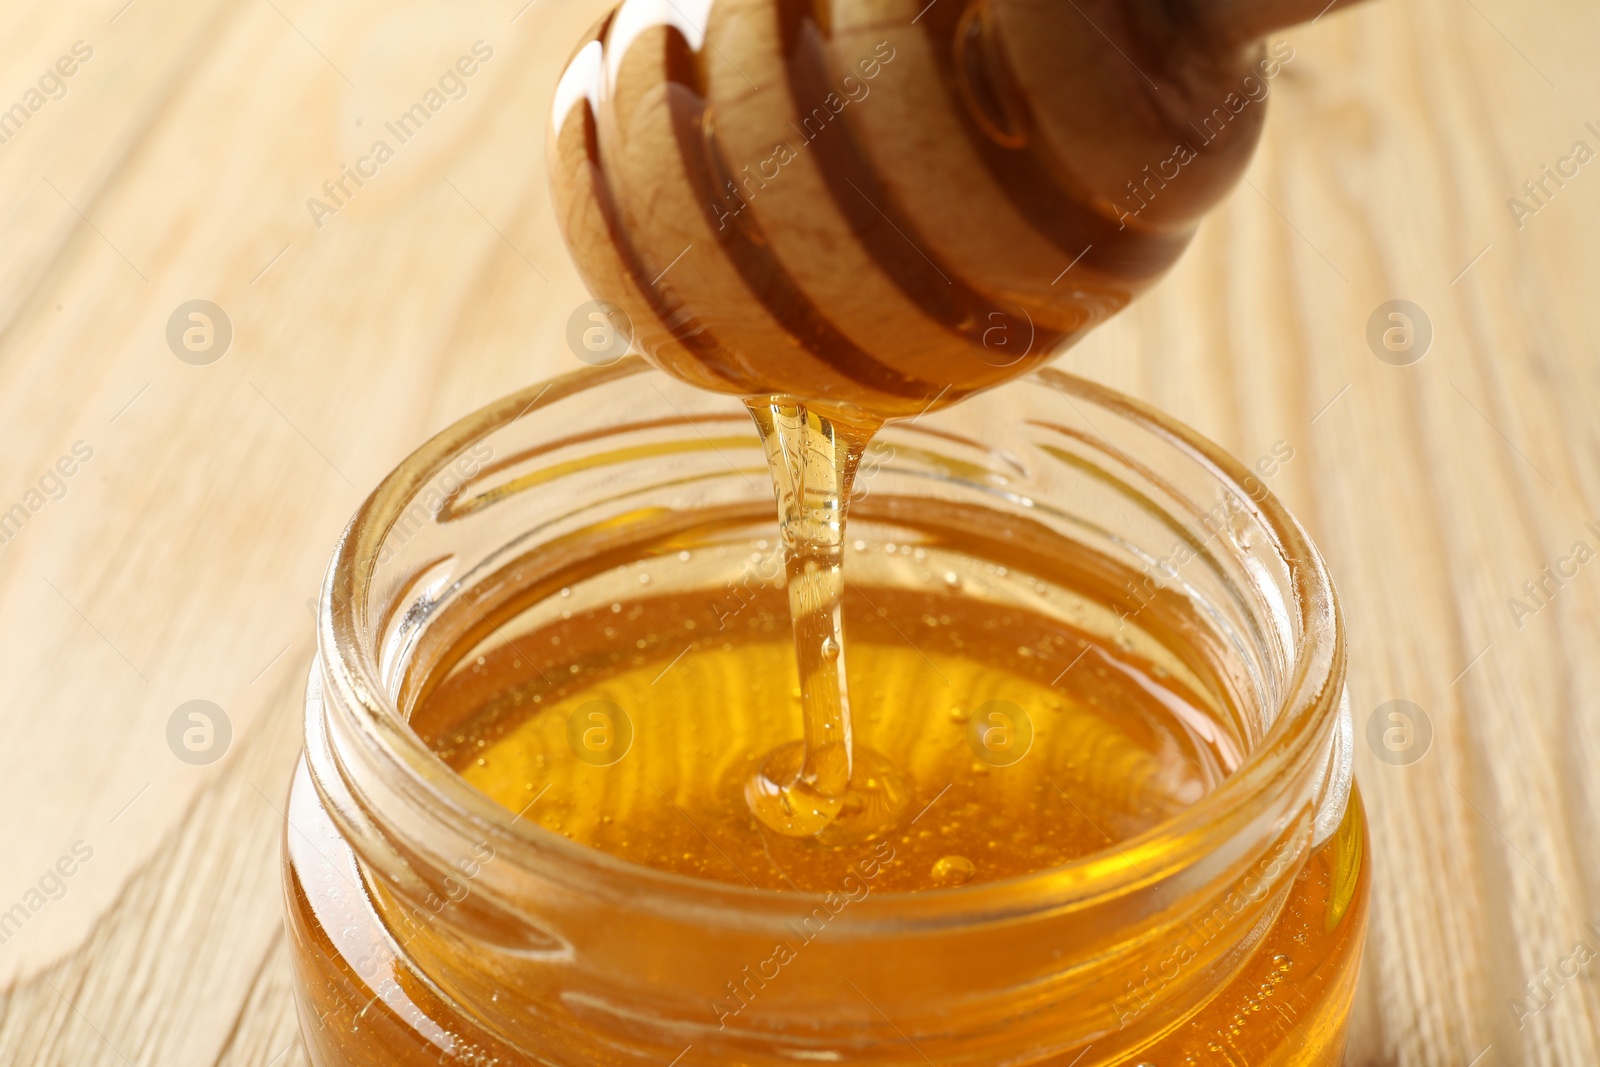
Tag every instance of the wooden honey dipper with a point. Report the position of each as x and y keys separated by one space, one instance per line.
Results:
x=880 y=205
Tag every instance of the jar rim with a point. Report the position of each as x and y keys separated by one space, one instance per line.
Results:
x=369 y=735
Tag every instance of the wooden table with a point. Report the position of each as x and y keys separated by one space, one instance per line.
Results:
x=176 y=561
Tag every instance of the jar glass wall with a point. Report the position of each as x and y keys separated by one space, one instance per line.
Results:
x=432 y=924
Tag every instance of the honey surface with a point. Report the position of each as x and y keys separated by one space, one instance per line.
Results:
x=997 y=741
x=631 y=725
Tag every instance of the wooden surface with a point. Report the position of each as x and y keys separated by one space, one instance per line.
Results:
x=179 y=563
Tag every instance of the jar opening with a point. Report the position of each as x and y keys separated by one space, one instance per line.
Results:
x=539 y=504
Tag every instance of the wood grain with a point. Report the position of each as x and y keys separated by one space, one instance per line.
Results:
x=179 y=561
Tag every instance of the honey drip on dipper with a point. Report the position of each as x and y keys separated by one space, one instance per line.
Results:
x=854 y=211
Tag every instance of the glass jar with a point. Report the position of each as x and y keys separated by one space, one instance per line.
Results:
x=431 y=925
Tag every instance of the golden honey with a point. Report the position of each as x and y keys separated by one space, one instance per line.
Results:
x=1063 y=844
x=1024 y=744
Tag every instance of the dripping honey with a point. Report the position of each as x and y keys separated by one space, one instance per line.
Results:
x=908 y=255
